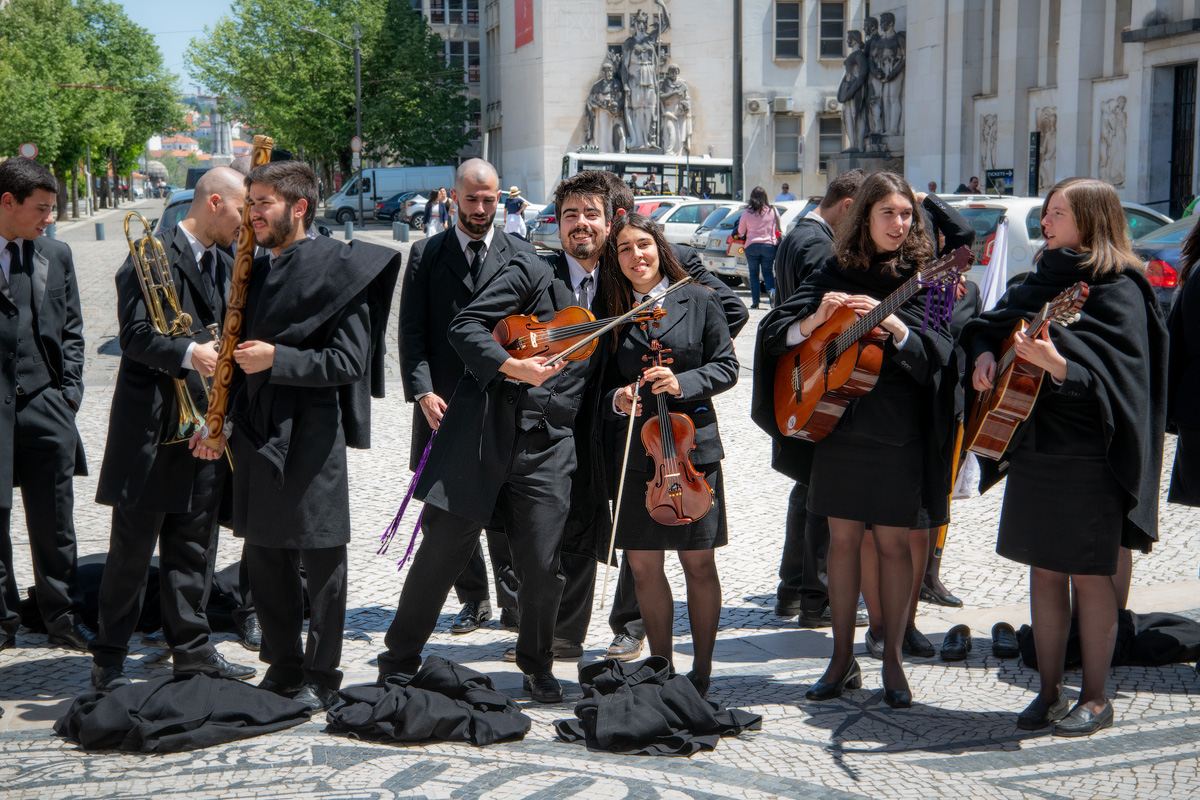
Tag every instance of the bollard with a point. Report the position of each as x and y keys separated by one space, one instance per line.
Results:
x=348 y=228
x=99 y=231
x=51 y=230
x=400 y=231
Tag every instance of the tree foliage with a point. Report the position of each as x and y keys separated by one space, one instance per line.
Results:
x=299 y=87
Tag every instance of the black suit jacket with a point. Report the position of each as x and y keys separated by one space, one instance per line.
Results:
x=138 y=472
x=60 y=343
x=436 y=286
x=803 y=251
x=735 y=311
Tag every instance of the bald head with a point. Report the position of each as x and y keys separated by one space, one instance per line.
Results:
x=216 y=212
x=477 y=191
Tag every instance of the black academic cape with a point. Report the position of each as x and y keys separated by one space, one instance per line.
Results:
x=936 y=385
x=1116 y=353
x=324 y=305
x=1183 y=393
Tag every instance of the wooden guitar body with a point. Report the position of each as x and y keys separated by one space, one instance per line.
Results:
x=813 y=386
x=997 y=412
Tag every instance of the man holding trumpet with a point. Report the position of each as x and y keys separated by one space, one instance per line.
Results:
x=158 y=492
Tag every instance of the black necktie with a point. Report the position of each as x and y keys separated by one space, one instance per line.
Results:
x=206 y=276
x=581 y=294
x=476 y=248
x=14 y=260
x=645 y=297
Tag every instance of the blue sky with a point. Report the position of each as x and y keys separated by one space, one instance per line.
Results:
x=174 y=26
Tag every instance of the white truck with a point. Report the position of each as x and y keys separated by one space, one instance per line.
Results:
x=378 y=185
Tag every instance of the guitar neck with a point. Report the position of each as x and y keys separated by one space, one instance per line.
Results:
x=867 y=322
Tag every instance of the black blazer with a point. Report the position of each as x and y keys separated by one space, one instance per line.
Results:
x=60 y=342
x=735 y=311
x=137 y=472
x=803 y=251
x=695 y=331
x=436 y=286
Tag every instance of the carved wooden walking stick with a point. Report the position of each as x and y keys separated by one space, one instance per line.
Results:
x=214 y=420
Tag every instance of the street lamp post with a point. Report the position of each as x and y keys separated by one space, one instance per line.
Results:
x=357 y=97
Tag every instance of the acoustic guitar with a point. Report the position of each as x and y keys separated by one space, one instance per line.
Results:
x=816 y=380
x=998 y=412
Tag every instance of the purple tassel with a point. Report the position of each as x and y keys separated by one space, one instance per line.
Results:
x=390 y=532
x=939 y=301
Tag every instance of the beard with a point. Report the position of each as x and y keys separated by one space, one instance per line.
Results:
x=278 y=230
x=473 y=228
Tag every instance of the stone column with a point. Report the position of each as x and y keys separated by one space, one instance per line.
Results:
x=1080 y=61
x=1017 y=73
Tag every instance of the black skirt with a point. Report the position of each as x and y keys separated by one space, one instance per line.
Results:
x=1185 y=474
x=860 y=478
x=636 y=530
x=1062 y=513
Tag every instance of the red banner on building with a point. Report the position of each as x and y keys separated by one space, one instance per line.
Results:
x=524 y=23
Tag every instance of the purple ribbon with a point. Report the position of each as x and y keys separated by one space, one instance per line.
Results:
x=390 y=532
x=939 y=300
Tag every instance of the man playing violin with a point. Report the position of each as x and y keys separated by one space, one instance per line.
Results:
x=506 y=451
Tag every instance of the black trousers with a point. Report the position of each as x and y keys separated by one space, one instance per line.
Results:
x=575 y=606
x=279 y=598
x=472 y=583
x=187 y=546
x=532 y=506
x=802 y=569
x=43 y=447
x=625 y=616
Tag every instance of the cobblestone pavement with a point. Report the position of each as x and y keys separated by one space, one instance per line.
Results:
x=960 y=739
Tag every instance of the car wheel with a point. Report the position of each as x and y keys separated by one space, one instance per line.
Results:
x=730 y=280
x=344 y=215
x=417 y=220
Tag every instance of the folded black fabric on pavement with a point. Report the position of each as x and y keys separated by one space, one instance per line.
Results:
x=170 y=715
x=643 y=709
x=444 y=701
x=1143 y=640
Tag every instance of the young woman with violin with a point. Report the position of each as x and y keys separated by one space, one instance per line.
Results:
x=1083 y=470
x=889 y=455
x=681 y=361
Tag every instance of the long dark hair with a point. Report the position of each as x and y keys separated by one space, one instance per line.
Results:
x=758 y=199
x=1103 y=235
x=1190 y=252
x=854 y=246
x=618 y=291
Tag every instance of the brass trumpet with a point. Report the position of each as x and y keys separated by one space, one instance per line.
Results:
x=166 y=315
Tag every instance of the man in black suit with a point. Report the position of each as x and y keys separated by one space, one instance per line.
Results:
x=443 y=273
x=506 y=457
x=803 y=587
x=158 y=492
x=41 y=382
x=311 y=355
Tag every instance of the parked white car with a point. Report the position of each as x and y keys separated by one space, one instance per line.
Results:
x=679 y=222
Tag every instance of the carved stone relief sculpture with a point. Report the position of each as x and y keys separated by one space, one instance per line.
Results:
x=987 y=142
x=853 y=92
x=1112 y=141
x=640 y=67
x=676 y=113
x=605 y=111
x=1047 y=126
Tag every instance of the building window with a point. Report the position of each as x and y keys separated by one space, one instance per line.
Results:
x=472 y=12
x=418 y=5
x=833 y=30
x=455 y=15
x=455 y=55
x=787 y=144
x=437 y=12
x=787 y=30
x=616 y=22
x=830 y=135
x=472 y=62
x=473 y=121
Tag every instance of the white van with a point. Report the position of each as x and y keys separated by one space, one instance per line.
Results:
x=380 y=184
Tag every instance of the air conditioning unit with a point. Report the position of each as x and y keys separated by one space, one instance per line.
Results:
x=756 y=105
x=781 y=105
x=831 y=103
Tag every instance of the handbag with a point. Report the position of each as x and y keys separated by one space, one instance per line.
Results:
x=736 y=246
x=778 y=228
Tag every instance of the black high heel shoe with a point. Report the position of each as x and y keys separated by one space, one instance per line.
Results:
x=827 y=691
x=898 y=698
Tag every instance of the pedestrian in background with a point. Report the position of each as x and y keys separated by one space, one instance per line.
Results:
x=759 y=227
x=784 y=195
x=514 y=208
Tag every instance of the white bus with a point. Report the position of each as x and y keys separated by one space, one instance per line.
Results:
x=699 y=176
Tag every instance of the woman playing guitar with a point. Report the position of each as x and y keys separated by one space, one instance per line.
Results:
x=694 y=337
x=889 y=455
x=1083 y=471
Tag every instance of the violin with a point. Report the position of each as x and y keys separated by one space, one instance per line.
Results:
x=525 y=336
x=677 y=494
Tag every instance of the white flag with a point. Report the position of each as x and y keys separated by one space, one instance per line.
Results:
x=995 y=277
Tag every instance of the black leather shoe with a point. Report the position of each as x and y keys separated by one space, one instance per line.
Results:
x=898 y=698
x=157 y=640
x=1040 y=713
x=543 y=687
x=956 y=643
x=700 y=683
x=624 y=647
x=874 y=646
x=76 y=637
x=916 y=645
x=787 y=608
x=827 y=691
x=1004 y=641
x=510 y=619
x=930 y=596
x=7 y=642
x=250 y=633
x=316 y=697
x=814 y=619
x=216 y=666
x=474 y=613
x=281 y=689
x=1081 y=722
x=105 y=679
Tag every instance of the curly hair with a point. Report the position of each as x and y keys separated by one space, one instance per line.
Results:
x=854 y=246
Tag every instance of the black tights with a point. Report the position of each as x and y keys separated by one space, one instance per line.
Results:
x=1096 y=609
x=658 y=605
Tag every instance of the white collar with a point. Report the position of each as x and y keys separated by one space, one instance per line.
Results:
x=658 y=289
x=824 y=222
x=198 y=248
x=464 y=239
x=578 y=273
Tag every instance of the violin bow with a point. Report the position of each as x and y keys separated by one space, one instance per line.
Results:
x=612 y=538
x=617 y=321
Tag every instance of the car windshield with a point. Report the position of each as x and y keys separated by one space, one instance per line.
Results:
x=660 y=212
x=730 y=222
x=716 y=216
x=1172 y=234
x=173 y=213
